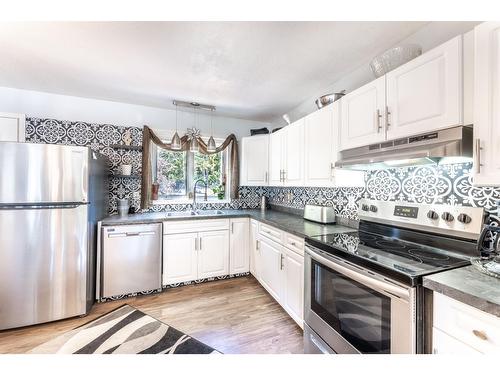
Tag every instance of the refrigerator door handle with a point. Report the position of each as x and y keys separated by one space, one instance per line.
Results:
x=41 y=206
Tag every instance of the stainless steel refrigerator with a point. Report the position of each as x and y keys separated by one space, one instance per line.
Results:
x=51 y=198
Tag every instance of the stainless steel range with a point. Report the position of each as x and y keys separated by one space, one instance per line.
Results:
x=363 y=290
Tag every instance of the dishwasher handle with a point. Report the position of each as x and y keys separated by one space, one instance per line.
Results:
x=131 y=234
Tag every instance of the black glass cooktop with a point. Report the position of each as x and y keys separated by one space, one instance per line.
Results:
x=395 y=255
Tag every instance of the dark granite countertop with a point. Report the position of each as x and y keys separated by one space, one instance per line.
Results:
x=288 y=222
x=469 y=286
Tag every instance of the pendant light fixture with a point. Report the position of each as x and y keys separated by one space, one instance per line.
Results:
x=175 y=144
x=193 y=145
x=211 y=147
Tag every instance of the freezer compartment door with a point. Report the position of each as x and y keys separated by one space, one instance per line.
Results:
x=43 y=265
x=39 y=173
x=131 y=259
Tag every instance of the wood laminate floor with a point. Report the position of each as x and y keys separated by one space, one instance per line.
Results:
x=233 y=316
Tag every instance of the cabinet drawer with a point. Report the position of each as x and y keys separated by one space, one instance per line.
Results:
x=271 y=233
x=294 y=243
x=443 y=343
x=188 y=226
x=473 y=327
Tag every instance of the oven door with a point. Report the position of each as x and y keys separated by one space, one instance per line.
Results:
x=355 y=310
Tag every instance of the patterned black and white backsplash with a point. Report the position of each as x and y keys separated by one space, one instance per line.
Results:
x=448 y=184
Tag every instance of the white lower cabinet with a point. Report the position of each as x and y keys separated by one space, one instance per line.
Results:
x=293 y=301
x=239 y=257
x=180 y=258
x=271 y=256
x=191 y=254
x=254 y=249
x=460 y=328
x=213 y=254
x=280 y=270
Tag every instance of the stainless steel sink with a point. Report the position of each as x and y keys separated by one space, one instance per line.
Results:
x=209 y=212
x=193 y=213
x=181 y=214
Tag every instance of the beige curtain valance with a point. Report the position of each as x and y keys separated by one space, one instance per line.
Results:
x=149 y=137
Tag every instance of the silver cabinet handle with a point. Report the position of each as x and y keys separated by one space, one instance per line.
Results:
x=477 y=156
x=284 y=175
x=266 y=178
x=200 y=244
x=387 y=113
x=378 y=124
x=232 y=228
x=281 y=261
x=257 y=245
x=114 y=235
x=196 y=244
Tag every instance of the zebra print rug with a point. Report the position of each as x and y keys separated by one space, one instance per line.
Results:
x=125 y=330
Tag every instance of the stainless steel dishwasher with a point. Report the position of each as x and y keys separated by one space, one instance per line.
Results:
x=131 y=259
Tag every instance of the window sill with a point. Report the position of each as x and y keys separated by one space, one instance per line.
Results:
x=190 y=201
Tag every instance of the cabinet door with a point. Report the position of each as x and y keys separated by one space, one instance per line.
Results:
x=254 y=250
x=239 y=257
x=362 y=115
x=179 y=258
x=294 y=154
x=254 y=160
x=487 y=104
x=320 y=146
x=426 y=93
x=272 y=262
x=12 y=127
x=276 y=147
x=294 y=286
x=213 y=254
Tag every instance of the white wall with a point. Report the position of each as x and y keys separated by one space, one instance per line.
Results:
x=429 y=36
x=72 y=108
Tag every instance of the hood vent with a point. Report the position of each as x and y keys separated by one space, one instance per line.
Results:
x=452 y=145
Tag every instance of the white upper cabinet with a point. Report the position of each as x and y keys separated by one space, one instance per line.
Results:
x=426 y=93
x=276 y=159
x=12 y=127
x=293 y=165
x=254 y=160
x=487 y=104
x=286 y=155
x=320 y=146
x=362 y=115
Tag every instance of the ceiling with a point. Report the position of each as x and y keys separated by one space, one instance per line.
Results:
x=249 y=70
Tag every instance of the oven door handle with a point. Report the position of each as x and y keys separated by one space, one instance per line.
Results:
x=369 y=281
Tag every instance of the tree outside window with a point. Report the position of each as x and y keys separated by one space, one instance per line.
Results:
x=177 y=171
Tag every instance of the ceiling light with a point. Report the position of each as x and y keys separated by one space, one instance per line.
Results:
x=175 y=144
x=211 y=147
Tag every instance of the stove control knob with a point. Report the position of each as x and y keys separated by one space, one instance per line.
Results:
x=433 y=215
x=365 y=207
x=464 y=218
x=446 y=216
x=373 y=208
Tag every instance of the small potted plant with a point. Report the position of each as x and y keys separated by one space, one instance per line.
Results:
x=220 y=191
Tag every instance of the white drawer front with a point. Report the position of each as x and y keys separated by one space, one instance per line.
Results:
x=188 y=226
x=443 y=343
x=473 y=327
x=294 y=243
x=271 y=233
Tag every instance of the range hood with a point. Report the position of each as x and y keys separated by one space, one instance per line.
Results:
x=454 y=145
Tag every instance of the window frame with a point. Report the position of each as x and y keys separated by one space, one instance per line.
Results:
x=190 y=176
